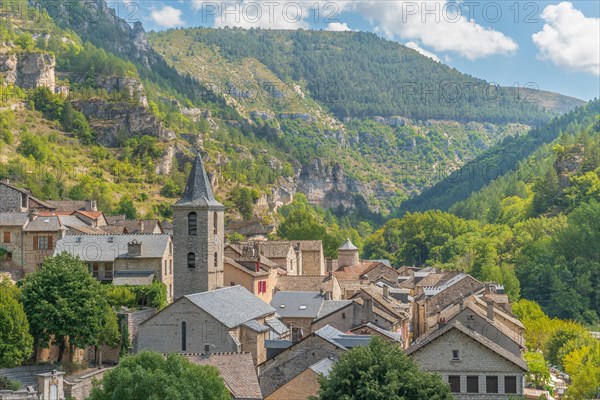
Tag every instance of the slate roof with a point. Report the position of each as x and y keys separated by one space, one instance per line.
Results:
x=297 y=304
x=518 y=361
x=392 y=335
x=256 y=326
x=341 y=339
x=238 y=372
x=13 y=219
x=348 y=245
x=248 y=269
x=324 y=366
x=68 y=205
x=277 y=326
x=355 y=272
x=268 y=248
x=105 y=248
x=331 y=306
x=232 y=305
x=44 y=224
x=198 y=190
x=133 y=278
x=28 y=192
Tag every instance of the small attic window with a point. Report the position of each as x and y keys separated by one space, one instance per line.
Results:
x=282 y=306
x=471 y=317
x=302 y=307
x=111 y=239
x=78 y=240
x=46 y=221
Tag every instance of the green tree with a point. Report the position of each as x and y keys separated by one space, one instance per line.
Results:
x=110 y=334
x=34 y=146
x=15 y=341
x=538 y=374
x=127 y=208
x=63 y=300
x=151 y=376
x=380 y=371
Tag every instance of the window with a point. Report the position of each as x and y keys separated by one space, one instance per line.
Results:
x=42 y=243
x=216 y=260
x=191 y=260
x=108 y=271
x=491 y=384
x=216 y=222
x=192 y=224
x=455 y=355
x=231 y=283
x=95 y=270
x=165 y=263
x=472 y=384
x=170 y=290
x=171 y=267
x=343 y=315
x=6 y=237
x=262 y=287
x=24 y=200
x=510 y=384
x=454 y=381
x=183 y=336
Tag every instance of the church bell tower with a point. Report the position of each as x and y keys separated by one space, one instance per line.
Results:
x=198 y=236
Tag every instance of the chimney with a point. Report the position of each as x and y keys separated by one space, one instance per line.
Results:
x=90 y=205
x=461 y=303
x=386 y=291
x=33 y=214
x=368 y=309
x=141 y=226
x=134 y=248
x=490 y=310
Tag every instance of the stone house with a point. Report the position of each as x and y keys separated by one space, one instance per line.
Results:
x=14 y=199
x=313 y=257
x=11 y=239
x=276 y=372
x=297 y=310
x=304 y=384
x=107 y=254
x=474 y=366
x=257 y=276
x=236 y=369
x=353 y=278
x=224 y=320
x=40 y=236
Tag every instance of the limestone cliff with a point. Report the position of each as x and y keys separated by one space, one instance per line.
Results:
x=28 y=70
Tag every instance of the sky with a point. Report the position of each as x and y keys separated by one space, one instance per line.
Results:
x=550 y=45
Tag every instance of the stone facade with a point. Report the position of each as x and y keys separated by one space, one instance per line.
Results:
x=206 y=245
x=282 y=368
x=300 y=388
x=12 y=200
x=474 y=359
x=79 y=388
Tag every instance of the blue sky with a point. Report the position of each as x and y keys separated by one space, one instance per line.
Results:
x=552 y=45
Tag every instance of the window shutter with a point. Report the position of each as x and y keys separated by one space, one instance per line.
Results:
x=50 y=243
x=35 y=243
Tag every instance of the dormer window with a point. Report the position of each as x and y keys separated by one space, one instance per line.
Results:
x=455 y=355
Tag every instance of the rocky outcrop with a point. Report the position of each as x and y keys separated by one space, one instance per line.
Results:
x=301 y=116
x=391 y=121
x=114 y=122
x=28 y=70
x=568 y=164
x=131 y=88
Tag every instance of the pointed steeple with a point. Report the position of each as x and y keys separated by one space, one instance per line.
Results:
x=198 y=190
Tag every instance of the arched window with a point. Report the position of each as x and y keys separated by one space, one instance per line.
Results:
x=216 y=259
x=191 y=259
x=216 y=222
x=183 y=336
x=192 y=223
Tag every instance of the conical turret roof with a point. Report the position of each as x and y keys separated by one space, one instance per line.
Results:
x=348 y=245
x=198 y=190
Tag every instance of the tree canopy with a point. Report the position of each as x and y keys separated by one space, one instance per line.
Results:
x=151 y=376
x=62 y=300
x=380 y=371
x=15 y=340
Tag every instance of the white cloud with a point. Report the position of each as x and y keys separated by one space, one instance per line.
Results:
x=416 y=47
x=445 y=29
x=167 y=17
x=569 y=39
x=438 y=24
x=338 y=27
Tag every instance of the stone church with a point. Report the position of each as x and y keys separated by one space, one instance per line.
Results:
x=198 y=236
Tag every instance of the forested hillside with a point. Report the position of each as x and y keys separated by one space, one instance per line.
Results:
x=358 y=74
x=499 y=160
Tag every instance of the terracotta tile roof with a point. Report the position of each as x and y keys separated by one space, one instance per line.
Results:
x=91 y=214
x=356 y=271
x=237 y=370
x=518 y=361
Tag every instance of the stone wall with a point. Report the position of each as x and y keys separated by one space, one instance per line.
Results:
x=279 y=370
x=10 y=199
x=79 y=388
x=134 y=319
x=17 y=395
x=301 y=387
x=313 y=263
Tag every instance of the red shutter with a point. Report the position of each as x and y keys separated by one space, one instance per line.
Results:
x=35 y=242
